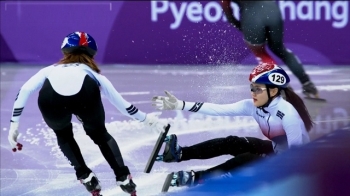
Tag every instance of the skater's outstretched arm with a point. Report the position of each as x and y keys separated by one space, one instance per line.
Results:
x=123 y=105
x=32 y=85
x=118 y=101
x=170 y=102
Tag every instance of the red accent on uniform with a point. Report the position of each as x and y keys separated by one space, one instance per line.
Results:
x=260 y=52
x=274 y=133
x=225 y=4
x=261 y=68
x=83 y=41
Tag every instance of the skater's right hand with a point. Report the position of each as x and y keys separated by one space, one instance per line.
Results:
x=12 y=137
x=170 y=102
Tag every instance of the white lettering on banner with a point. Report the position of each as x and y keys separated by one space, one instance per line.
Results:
x=308 y=15
x=217 y=14
x=212 y=11
x=194 y=11
x=155 y=10
x=312 y=10
x=344 y=16
x=178 y=14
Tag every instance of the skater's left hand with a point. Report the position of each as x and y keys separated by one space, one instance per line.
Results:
x=12 y=137
x=154 y=122
x=168 y=102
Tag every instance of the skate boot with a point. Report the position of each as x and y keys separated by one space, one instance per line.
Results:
x=172 y=151
x=310 y=89
x=185 y=178
x=127 y=185
x=91 y=183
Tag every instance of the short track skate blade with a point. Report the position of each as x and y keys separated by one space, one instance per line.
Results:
x=156 y=149
x=167 y=182
x=315 y=99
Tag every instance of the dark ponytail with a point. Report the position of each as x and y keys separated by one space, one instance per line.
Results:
x=299 y=105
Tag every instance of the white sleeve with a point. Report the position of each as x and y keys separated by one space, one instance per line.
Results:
x=117 y=100
x=241 y=108
x=32 y=85
x=293 y=126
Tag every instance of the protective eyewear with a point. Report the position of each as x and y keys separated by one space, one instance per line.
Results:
x=256 y=90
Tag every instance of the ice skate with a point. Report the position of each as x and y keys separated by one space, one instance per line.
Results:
x=182 y=178
x=91 y=184
x=127 y=185
x=154 y=155
x=310 y=91
x=172 y=150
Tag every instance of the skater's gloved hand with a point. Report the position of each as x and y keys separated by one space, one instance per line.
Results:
x=12 y=137
x=170 y=102
x=152 y=120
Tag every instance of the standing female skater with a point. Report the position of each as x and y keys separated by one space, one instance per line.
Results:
x=261 y=21
x=74 y=86
x=284 y=122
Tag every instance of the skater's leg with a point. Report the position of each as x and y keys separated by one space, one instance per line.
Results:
x=111 y=152
x=89 y=110
x=231 y=145
x=259 y=50
x=275 y=31
x=55 y=111
x=192 y=178
x=71 y=150
x=254 y=32
x=234 y=163
x=275 y=42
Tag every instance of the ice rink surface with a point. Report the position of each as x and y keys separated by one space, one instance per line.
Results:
x=40 y=169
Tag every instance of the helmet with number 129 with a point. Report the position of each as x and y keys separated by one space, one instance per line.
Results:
x=269 y=74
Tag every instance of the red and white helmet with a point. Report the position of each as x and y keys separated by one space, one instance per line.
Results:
x=270 y=74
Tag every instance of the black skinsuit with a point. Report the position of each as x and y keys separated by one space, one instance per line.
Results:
x=261 y=22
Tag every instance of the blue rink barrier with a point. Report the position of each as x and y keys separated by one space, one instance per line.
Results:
x=320 y=168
